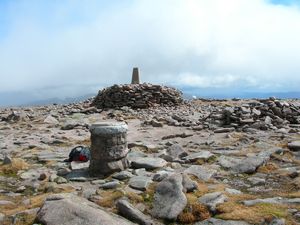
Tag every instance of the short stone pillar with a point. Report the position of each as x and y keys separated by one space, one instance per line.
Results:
x=108 y=148
x=135 y=76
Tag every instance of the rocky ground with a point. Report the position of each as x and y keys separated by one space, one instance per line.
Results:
x=204 y=162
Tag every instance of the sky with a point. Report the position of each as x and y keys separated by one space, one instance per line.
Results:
x=65 y=48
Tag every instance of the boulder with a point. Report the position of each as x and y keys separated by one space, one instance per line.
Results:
x=69 y=209
x=148 y=163
x=201 y=172
x=133 y=214
x=211 y=200
x=169 y=199
x=213 y=221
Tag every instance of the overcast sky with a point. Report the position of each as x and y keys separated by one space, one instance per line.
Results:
x=72 y=47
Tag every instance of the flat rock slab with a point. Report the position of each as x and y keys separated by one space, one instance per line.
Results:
x=213 y=221
x=198 y=155
x=294 y=146
x=123 y=175
x=133 y=214
x=73 y=210
x=201 y=172
x=140 y=182
x=148 y=163
x=169 y=199
x=110 y=185
x=275 y=200
x=174 y=152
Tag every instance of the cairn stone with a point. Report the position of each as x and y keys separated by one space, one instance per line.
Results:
x=137 y=96
x=135 y=76
x=108 y=148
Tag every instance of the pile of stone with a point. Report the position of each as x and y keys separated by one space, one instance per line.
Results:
x=137 y=96
x=260 y=114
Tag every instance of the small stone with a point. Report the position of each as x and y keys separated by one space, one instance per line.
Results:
x=42 y=176
x=201 y=172
x=148 y=163
x=213 y=221
x=133 y=214
x=51 y=120
x=110 y=185
x=188 y=184
x=21 y=189
x=224 y=130
x=198 y=155
x=139 y=182
x=63 y=171
x=61 y=180
x=233 y=191
x=4 y=202
x=211 y=200
x=98 y=182
x=123 y=175
x=7 y=160
x=160 y=175
x=78 y=179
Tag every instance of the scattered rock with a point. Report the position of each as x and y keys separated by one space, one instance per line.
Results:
x=123 y=175
x=148 y=163
x=73 y=210
x=213 y=221
x=211 y=200
x=188 y=184
x=198 y=155
x=139 y=182
x=134 y=215
x=110 y=185
x=169 y=199
x=201 y=172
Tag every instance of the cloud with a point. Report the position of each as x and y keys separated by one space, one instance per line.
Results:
x=80 y=47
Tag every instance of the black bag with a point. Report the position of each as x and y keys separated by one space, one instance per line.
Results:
x=79 y=153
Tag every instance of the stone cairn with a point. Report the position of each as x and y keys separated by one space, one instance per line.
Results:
x=108 y=148
x=137 y=96
x=260 y=114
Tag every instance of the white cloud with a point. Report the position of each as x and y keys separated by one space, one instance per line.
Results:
x=246 y=43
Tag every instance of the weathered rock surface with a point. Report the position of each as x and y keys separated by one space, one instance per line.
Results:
x=134 y=215
x=201 y=172
x=213 y=221
x=148 y=163
x=64 y=209
x=211 y=200
x=169 y=199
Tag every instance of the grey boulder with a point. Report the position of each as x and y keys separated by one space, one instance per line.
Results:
x=211 y=200
x=169 y=199
x=294 y=146
x=69 y=209
x=134 y=215
x=148 y=163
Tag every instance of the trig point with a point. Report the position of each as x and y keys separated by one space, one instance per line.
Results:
x=135 y=76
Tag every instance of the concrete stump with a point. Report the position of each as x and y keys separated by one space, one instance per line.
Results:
x=108 y=148
x=135 y=76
